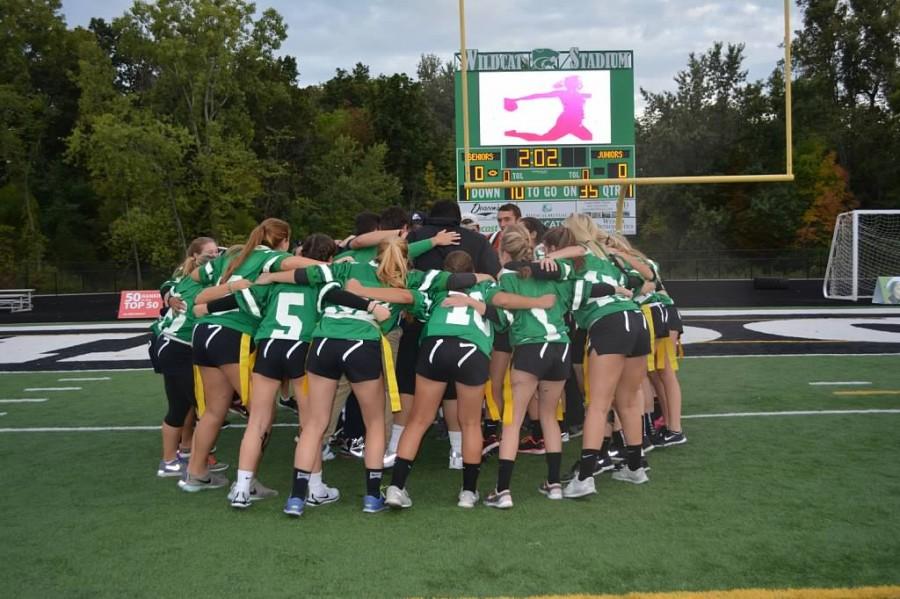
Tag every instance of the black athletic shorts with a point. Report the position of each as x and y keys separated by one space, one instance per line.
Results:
x=660 y=320
x=281 y=359
x=578 y=338
x=623 y=333
x=501 y=342
x=451 y=359
x=546 y=361
x=152 y=349
x=174 y=357
x=359 y=360
x=406 y=358
x=674 y=319
x=215 y=345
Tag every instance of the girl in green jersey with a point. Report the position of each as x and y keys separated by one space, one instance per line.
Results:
x=222 y=342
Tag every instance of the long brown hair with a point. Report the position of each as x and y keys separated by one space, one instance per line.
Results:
x=191 y=261
x=269 y=233
x=393 y=262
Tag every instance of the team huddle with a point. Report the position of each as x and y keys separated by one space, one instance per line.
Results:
x=570 y=327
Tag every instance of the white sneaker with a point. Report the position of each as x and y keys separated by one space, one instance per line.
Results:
x=389 y=459
x=397 y=497
x=327 y=454
x=552 y=491
x=456 y=461
x=579 y=488
x=239 y=499
x=467 y=499
x=501 y=500
x=322 y=496
x=626 y=474
x=258 y=491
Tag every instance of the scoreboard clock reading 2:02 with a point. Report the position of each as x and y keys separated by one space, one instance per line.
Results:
x=548 y=115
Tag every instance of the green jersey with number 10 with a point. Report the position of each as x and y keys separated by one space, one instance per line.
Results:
x=601 y=270
x=463 y=322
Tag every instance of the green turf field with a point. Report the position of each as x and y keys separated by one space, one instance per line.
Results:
x=752 y=502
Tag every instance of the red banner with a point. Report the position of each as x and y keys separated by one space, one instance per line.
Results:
x=140 y=304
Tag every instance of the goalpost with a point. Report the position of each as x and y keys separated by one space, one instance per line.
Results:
x=865 y=246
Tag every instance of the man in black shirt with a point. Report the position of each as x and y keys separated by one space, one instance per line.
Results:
x=445 y=214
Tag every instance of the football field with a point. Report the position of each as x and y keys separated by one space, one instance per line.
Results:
x=790 y=479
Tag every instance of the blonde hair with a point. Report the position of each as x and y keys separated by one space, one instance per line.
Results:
x=190 y=261
x=620 y=242
x=516 y=241
x=587 y=233
x=393 y=262
x=269 y=233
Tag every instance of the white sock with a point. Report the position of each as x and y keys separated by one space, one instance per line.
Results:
x=244 y=478
x=455 y=441
x=396 y=431
x=316 y=484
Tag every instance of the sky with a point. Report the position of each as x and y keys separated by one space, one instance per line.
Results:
x=391 y=35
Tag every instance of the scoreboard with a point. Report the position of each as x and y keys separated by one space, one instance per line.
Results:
x=548 y=116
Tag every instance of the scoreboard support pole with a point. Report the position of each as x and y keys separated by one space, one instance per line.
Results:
x=787 y=177
x=620 y=210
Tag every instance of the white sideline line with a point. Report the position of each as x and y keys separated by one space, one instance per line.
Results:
x=102 y=429
x=53 y=389
x=74 y=370
x=29 y=400
x=792 y=413
x=141 y=326
x=86 y=378
x=790 y=312
x=2 y=413
x=841 y=383
x=792 y=356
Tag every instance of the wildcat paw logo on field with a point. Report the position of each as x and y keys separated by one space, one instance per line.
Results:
x=887 y=291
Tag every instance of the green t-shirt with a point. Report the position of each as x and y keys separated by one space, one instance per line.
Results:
x=341 y=322
x=367 y=254
x=601 y=270
x=181 y=325
x=463 y=322
x=538 y=325
x=291 y=311
x=247 y=317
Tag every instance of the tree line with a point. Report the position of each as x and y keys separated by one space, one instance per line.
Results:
x=123 y=140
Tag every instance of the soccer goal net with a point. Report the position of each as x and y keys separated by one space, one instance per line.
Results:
x=865 y=246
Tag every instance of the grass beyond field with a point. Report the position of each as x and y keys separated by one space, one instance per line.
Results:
x=749 y=502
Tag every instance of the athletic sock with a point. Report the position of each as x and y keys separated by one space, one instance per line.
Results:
x=316 y=485
x=619 y=439
x=244 y=479
x=301 y=484
x=491 y=427
x=470 y=476
x=455 y=441
x=588 y=463
x=633 y=456
x=554 y=462
x=504 y=474
x=373 y=482
x=648 y=426
x=396 y=431
x=401 y=472
x=604 y=448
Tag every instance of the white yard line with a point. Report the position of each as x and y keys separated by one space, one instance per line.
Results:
x=140 y=326
x=74 y=370
x=790 y=312
x=791 y=413
x=23 y=400
x=2 y=413
x=791 y=356
x=53 y=389
x=86 y=378
x=841 y=383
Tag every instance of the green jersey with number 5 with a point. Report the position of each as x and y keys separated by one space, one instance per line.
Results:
x=291 y=312
x=463 y=322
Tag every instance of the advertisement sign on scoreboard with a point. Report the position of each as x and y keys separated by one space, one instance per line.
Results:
x=548 y=115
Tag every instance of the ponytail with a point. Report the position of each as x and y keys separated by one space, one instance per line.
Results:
x=516 y=242
x=269 y=233
x=191 y=260
x=393 y=262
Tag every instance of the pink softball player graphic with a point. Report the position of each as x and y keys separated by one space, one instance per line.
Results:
x=570 y=121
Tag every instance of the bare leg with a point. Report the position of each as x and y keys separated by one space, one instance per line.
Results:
x=219 y=385
x=370 y=395
x=259 y=424
x=604 y=372
x=524 y=385
x=428 y=398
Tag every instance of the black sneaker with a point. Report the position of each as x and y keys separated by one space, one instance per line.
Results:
x=289 y=404
x=658 y=438
x=673 y=438
x=604 y=464
x=646 y=444
x=238 y=409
